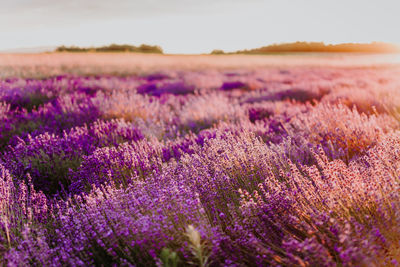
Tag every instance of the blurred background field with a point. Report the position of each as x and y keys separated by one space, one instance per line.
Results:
x=47 y=64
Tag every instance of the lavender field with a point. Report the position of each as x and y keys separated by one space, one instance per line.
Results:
x=273 y=162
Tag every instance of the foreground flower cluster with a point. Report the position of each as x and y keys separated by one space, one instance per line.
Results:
x=280 y=167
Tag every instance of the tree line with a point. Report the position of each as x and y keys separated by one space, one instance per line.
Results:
x=144 y=48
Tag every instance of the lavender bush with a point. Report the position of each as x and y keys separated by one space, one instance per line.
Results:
x=267 y=167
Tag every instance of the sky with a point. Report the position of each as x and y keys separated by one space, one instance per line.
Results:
x=195 y=26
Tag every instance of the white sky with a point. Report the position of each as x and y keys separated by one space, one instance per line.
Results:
x=195 y=26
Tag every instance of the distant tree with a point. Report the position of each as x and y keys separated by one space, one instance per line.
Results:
x=150 y=49
x=113 y=48
x=217 y=52
x=71 y=49
x=374 y=47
